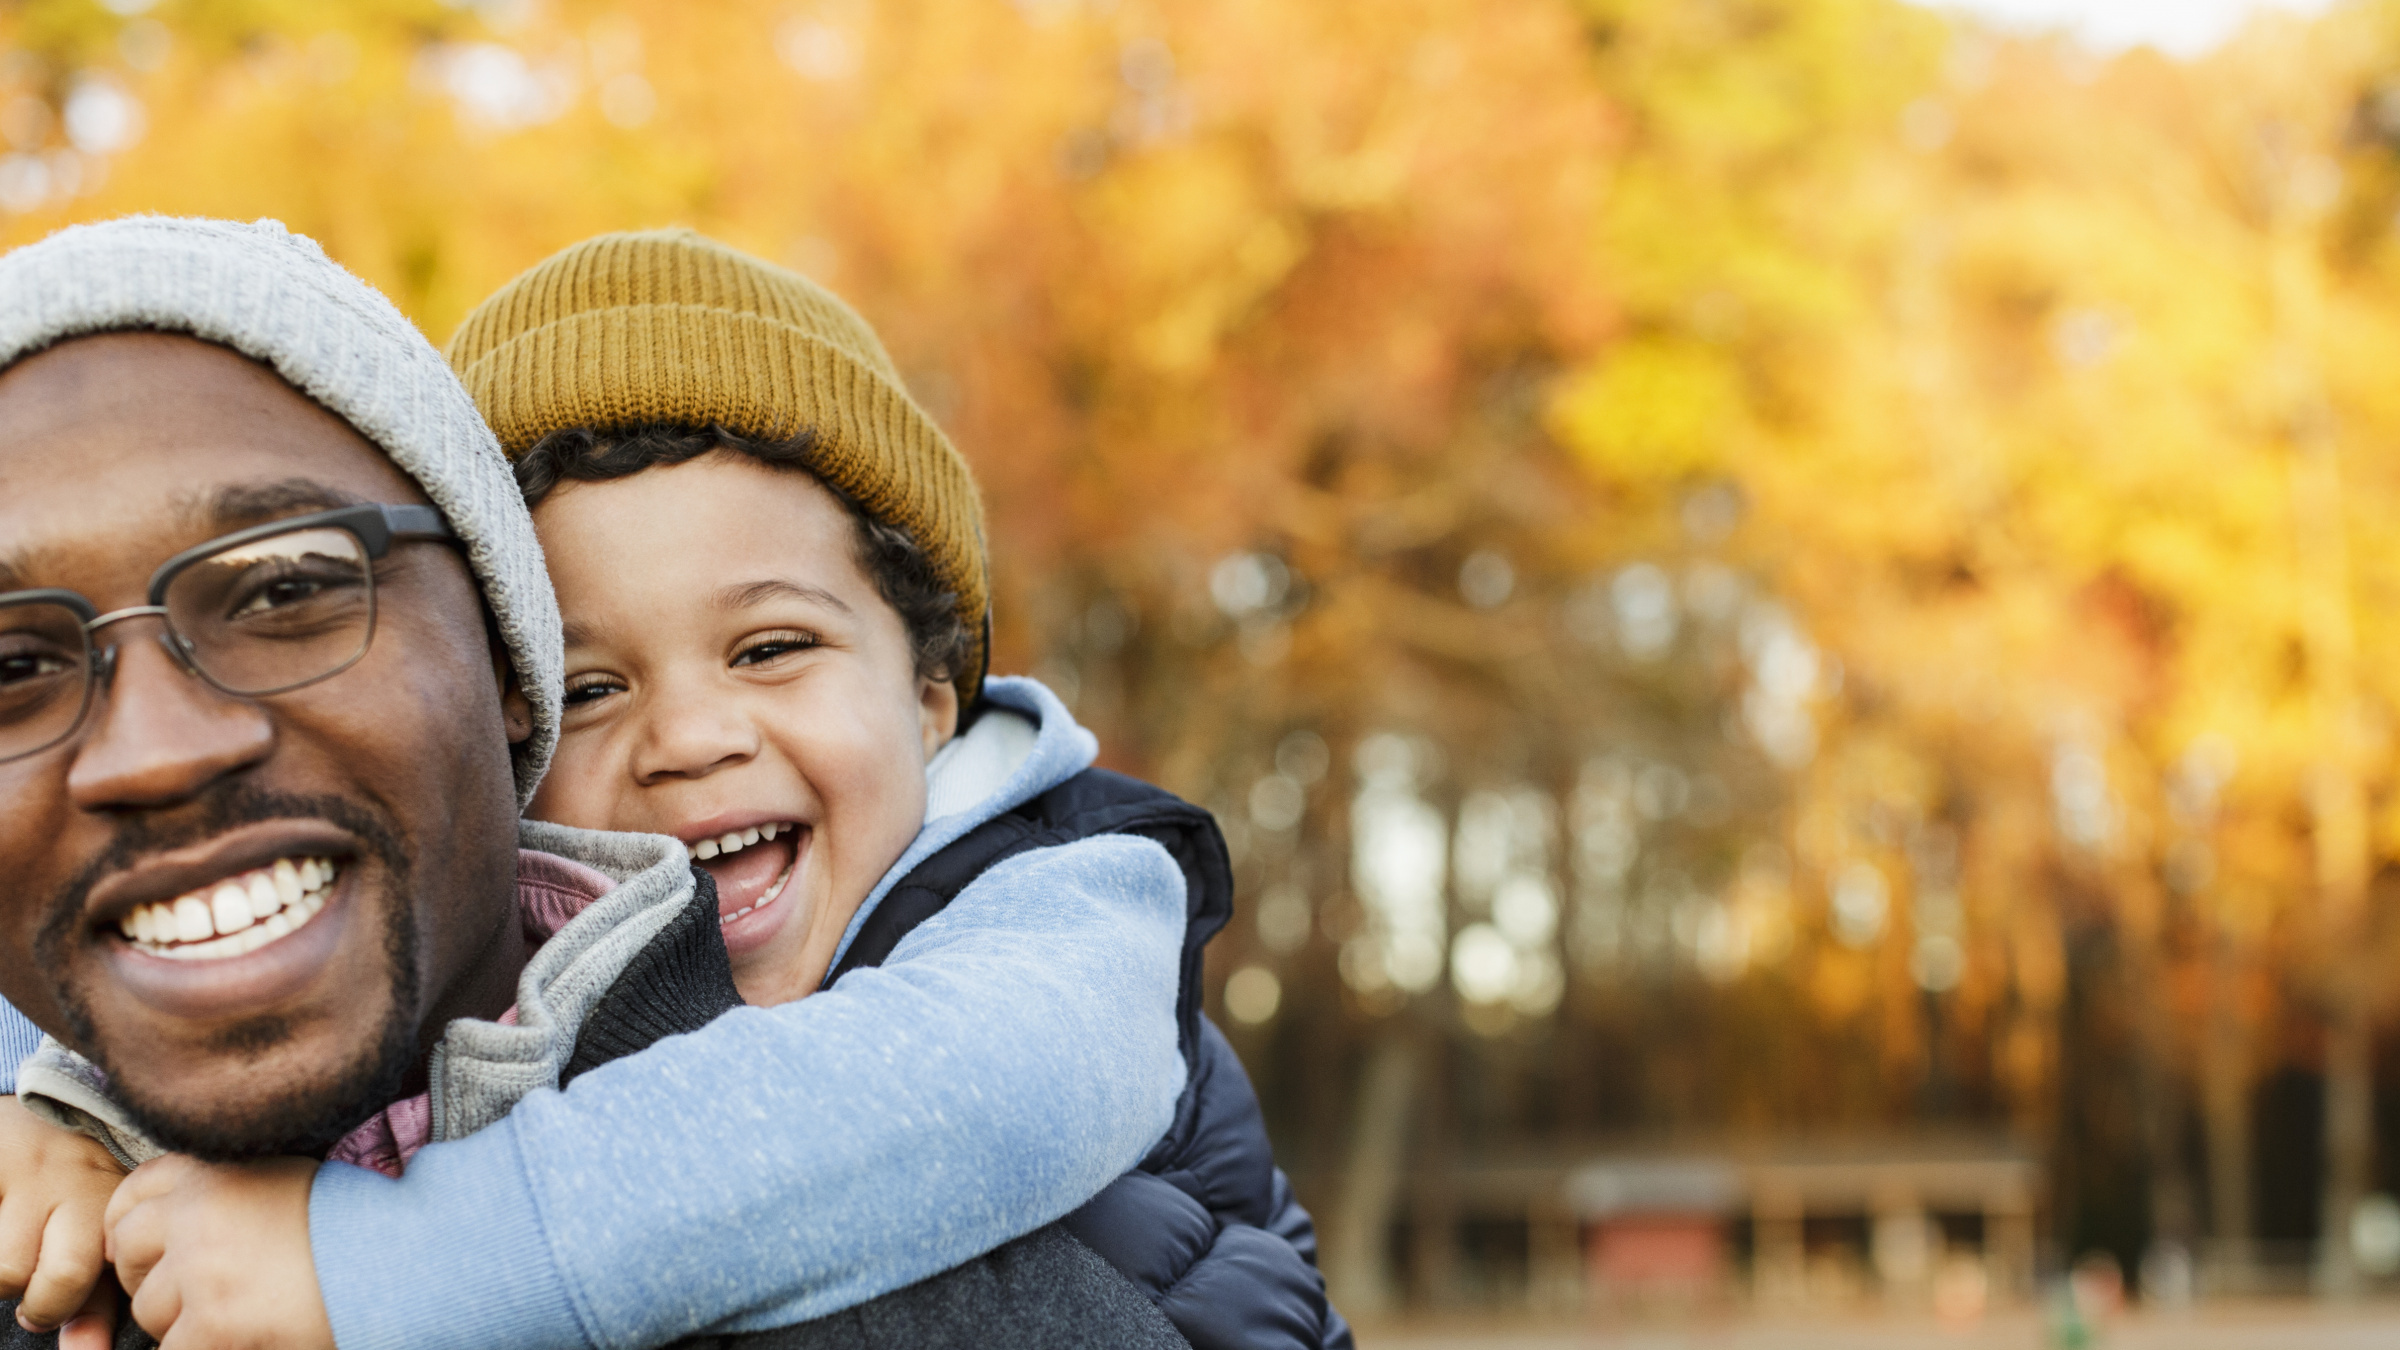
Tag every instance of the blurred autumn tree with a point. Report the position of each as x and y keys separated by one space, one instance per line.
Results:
x=1735 y=568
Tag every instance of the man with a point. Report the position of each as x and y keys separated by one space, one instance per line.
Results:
x=278 y=663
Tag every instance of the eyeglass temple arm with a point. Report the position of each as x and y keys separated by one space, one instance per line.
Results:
x=416 y=522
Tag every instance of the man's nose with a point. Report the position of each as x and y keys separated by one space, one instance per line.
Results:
x=688 y=737
x=160 y=734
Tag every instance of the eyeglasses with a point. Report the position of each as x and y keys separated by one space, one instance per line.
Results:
x=260 y=611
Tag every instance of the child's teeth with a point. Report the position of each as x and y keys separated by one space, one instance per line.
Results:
x=734 y=841
x=764 y=900
x=234 y=917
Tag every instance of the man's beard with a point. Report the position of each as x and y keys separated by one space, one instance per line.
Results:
x=304 y=1118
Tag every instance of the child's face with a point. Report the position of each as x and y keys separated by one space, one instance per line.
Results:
x=732 y=670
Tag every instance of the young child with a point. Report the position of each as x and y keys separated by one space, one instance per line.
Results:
x=772 y=572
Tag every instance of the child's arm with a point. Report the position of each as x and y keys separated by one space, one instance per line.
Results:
x=54 y=1190
x=18 y=1039
x=1014 y=1055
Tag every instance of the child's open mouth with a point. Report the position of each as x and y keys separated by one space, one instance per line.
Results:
x=751 y=867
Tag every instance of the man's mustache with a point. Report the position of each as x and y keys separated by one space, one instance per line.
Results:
x=308 y=1122
x=225 y=807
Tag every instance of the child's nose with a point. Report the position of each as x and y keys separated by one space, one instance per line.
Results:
x=693 y=742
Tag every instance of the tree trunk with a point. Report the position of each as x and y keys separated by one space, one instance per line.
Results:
x=2349 y=1140
x=2338 y=809
x=1357 y=1243
x=2337 y=800
x=2157 y=1089
x=2225 y=1107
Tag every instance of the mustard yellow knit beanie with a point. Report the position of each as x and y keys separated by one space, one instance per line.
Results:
x=668 y=327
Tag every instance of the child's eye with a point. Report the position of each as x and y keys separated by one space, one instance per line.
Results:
x=585 y=690
x=774 y=647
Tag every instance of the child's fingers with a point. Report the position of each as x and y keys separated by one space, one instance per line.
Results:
x=156 y=1307
x=147 y=1182
x=69 y=1268
x=21 y=1219
x=134 y=1228
x=137 y=1241
x=94 y=1325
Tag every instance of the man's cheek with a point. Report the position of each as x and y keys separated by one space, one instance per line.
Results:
x=30 y=845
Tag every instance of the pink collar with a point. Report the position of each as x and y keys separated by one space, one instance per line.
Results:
x=550 y=891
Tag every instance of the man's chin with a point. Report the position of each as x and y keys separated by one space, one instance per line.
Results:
x=271 y=1113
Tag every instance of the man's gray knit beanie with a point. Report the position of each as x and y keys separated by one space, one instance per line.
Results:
x=275 y=297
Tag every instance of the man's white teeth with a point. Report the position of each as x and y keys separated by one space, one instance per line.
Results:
x=237 y=915
x=192 y=922
x=763 y=901
x=734 y=841
x=231 y=906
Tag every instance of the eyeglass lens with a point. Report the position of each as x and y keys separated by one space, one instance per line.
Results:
x=255 y=618
x=44 y=675
x=275 y=612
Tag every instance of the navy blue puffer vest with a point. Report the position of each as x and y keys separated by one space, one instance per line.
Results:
x=1206 y=1224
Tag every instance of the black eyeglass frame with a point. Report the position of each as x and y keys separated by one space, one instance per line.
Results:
x=375 y=525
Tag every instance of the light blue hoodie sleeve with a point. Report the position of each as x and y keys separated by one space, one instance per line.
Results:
x=1014 y=1055
x=18 y=1039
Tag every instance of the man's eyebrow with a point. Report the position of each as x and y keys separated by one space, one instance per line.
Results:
x=748 y=593
x=221 y=512
x=243 y=504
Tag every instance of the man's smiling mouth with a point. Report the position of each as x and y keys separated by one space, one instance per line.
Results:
x=236 y=916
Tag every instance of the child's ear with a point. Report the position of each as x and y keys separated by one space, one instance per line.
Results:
x=937 y=712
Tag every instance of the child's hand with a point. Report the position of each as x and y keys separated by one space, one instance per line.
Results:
x=54 y=1191
x=218 y=1254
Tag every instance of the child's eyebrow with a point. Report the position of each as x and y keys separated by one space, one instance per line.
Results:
x=750 y=593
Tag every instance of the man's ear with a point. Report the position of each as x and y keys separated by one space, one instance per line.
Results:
x=516 y=711
x=937 y=712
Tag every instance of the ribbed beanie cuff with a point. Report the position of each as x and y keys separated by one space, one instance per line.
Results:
x=276 y=298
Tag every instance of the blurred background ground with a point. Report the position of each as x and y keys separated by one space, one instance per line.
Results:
x=2231 y=1327
x=1791 y=607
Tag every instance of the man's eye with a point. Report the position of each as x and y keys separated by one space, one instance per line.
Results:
x=281 y=594
x=295 y=589
x=16 y=668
